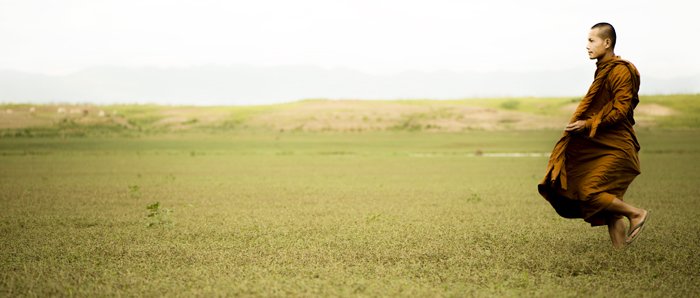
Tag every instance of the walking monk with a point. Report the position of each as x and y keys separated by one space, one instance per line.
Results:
x=596 y=159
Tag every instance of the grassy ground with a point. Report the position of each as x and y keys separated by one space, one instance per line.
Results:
x=334 y=214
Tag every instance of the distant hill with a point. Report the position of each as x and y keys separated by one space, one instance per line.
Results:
x=240 y=85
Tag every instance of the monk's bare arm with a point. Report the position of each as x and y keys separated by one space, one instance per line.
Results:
x=622 y=86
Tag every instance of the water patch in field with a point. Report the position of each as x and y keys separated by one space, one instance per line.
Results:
x=516 y=154
x=482 y=154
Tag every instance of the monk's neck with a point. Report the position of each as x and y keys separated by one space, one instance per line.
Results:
x=605 y=58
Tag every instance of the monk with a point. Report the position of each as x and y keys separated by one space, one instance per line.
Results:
x=596 y=159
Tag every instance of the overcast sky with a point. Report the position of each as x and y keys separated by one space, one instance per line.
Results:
x=374 y=36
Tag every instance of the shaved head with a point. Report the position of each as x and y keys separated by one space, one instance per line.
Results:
x=605 y=31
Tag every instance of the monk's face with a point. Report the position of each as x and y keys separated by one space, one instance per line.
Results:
x=597 y=46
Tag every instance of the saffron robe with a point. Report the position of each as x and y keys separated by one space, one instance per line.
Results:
x=588 y=169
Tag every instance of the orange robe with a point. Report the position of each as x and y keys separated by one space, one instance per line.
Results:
x=588 y=169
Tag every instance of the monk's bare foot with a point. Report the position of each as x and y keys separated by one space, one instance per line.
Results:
x=637 y=218
x=619 y=240
x=618 y=232
x=635 y=223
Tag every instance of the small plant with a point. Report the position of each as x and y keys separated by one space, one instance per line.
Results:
x=373 y=217
x=157 y=215
x=191 y=121
x=170 y=177
x=134 y=191
x=410 y=123
x=510 y=105
x=474 y=197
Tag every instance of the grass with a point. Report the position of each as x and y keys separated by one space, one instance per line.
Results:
x=393 y=213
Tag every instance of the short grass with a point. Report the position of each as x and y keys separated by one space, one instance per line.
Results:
x=330 y=214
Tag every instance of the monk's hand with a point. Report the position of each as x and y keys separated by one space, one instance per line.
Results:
x=576 y=126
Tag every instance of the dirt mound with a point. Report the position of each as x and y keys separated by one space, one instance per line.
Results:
x=13 y=118
x=312 y=115
x=653 y=109
x=183 y=118
x=31 y=116
x=644 y=109
x=362 y=116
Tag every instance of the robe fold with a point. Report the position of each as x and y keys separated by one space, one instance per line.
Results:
x=588 y=169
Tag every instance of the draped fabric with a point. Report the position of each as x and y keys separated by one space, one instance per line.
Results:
x=588 y=169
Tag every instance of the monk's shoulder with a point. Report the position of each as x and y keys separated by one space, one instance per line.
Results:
x=622 y=72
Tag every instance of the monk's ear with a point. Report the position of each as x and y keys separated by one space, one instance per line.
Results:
x=608 y=43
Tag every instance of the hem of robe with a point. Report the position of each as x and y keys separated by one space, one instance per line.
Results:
x=600 y=217
x=572 y=209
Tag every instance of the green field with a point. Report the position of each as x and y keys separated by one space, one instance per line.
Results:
x=263 y=211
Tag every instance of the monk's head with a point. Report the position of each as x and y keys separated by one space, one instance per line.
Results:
x=601 y=41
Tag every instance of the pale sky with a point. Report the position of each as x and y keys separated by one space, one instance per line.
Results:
x=373 y=36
